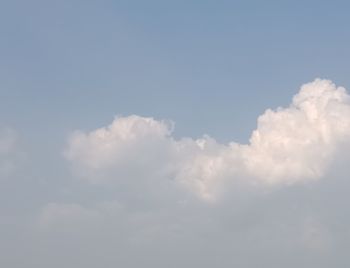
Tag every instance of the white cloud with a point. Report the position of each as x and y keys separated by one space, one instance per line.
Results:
x=298 y=142
x=129 y=141
x=290 y=145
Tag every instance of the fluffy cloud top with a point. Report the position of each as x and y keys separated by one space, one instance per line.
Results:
x=290 y=145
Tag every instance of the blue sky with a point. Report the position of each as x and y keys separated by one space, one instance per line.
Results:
x=211 y=67
x=82 y=62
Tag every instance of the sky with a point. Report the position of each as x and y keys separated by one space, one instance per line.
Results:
x=174 y=133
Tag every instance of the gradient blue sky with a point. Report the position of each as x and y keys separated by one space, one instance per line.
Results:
x=210 y=66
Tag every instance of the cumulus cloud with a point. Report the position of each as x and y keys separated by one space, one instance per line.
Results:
x=290 y=145
x=145 y=211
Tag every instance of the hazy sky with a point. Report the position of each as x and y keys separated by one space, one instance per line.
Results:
x=174 y=134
